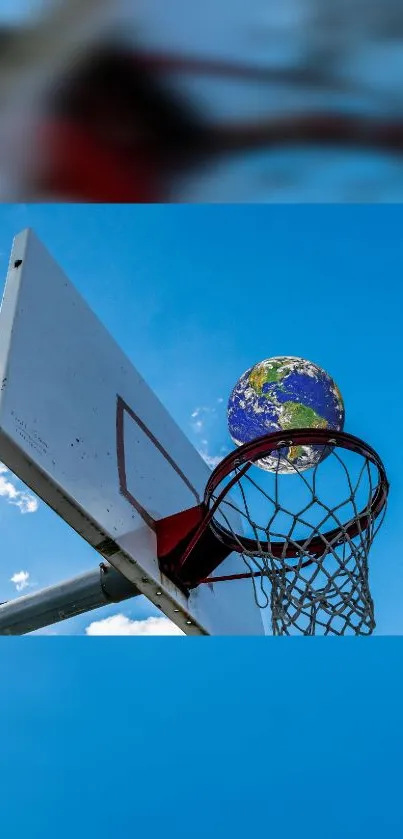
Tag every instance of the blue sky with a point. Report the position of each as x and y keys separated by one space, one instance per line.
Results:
x=197 y=295
x=217 y=737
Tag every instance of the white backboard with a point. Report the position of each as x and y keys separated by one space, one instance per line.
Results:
x=84 y=431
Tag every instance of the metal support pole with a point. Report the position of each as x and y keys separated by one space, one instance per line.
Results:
x=73 y=597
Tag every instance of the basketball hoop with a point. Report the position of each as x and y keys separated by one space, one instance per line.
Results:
x=308 y=556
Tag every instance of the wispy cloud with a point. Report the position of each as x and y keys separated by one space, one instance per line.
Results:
x=201 y=416
x=121 y=625
x=21 y=498
x=20 y=580
x=202 y=421
x=212 y=460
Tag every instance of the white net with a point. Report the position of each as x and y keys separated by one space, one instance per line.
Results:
x=306 y=537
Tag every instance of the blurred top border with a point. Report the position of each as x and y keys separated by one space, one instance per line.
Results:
x=223 y=102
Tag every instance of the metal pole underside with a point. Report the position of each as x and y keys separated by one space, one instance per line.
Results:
x=100 y=587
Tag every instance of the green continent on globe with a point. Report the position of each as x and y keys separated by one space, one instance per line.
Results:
x=264 y=373
x=295 y=415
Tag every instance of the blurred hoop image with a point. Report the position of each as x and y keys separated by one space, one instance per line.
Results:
x=226 y=102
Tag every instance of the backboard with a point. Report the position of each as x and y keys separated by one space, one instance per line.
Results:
x=84 y=431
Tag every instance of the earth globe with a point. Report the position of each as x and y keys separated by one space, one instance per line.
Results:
x=279 y=394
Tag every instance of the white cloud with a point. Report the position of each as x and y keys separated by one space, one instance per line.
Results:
x=211 y=459
x=203 y=414
x=24 y=500
x=20 y=580
x=199 y=416
x=202 y=419
x=121 y=625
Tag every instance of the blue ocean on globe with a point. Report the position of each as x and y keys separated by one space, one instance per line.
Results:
x=282 y=393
